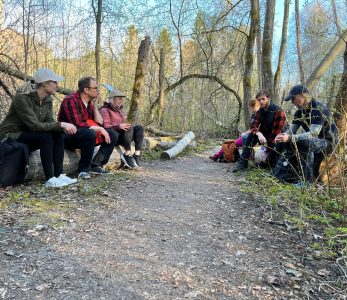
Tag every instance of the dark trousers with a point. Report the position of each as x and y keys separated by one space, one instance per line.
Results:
x=51 y=150
x=310 y=153
x=134 y=133
x=85 y=140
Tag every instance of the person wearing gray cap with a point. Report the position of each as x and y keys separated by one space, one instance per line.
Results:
x=319 y=135
x=30 y=121
x=114 y=118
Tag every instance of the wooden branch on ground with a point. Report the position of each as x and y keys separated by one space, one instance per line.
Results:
x=159 y=132
x=180 y=146
x=4 y=68
x=6 y=88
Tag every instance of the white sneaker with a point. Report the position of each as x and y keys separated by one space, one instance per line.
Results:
x=54 y=182
x=66 y=179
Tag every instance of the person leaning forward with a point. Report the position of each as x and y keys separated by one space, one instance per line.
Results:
x=268 y=123
x=30 y=121
x=320 y=134
x=80 y=109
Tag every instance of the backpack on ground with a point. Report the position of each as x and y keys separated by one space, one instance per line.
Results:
x=14 y=160
x=230 y=151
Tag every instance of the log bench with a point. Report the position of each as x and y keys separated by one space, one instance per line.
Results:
x=71 y=159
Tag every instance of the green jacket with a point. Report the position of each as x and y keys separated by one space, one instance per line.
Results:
x=26 y=114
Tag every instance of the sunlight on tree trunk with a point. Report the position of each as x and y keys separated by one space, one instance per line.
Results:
x=298 y=41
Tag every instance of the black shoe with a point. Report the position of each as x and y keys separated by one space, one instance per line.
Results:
x=137 y=160
x=99 y=171
x=241 y=166
x=128 y=161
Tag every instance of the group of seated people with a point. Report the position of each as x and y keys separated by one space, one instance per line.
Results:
x=301 y=146
x=80 y=125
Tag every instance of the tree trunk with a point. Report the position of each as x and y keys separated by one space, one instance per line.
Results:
x=298 y=41
x=336 y=18
x=247 y=75
x=267 y=46
x=259 y=43
x=180 y=146
x=161 y=88
x=141 y=67
x=341 y=103
x=327 y=61
x=278 y=74
x=98 y=20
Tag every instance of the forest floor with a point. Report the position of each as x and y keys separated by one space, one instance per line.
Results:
x=179 y=229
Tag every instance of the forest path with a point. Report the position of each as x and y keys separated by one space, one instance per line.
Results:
x=178 y=229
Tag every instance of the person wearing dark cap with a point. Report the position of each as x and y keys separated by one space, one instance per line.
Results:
x=319 y=135
x=30 y=121
x=268 y=123
x=114 y=118
x=80 y=108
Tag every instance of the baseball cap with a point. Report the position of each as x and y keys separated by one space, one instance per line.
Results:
x=42 y=75
x=295 y=90
x=115 y=93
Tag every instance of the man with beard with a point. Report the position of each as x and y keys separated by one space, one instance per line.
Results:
x=268 y=123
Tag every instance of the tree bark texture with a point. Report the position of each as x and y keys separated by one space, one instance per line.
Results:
x=298 y=42
x=161 y=88
x=341 y=103
x=249 y=55
x=267 y=47
x=98 y=21
x=179 y=147
x=18 y=74
x=141 y=68
x=327 y=61
x=278 y=74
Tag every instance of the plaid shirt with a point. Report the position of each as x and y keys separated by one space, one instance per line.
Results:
x=72 y=110
x=269 y=122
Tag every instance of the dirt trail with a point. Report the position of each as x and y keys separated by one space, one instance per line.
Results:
x=178 y=229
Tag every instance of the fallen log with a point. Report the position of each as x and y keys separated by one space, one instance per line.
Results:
x=70 y=164
x=180 y=146
x=159 y=132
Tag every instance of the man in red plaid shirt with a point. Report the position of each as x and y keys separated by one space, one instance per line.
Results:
x=80 y=109
x=268 y=123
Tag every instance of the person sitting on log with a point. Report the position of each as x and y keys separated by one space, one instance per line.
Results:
x=268 y=123
x=114 y=118
x=80 y=109
x=253 y=107
x=320 y=134
x=30 y=121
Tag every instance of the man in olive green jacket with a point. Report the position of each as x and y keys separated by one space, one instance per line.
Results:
x=30 y=121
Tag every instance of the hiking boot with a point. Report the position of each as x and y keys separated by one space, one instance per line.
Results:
x=66 y=179
x=54 y=182
x=84 y=175
x=128 y=161
x=242 y=165
x=99 y=171
x=137 y=160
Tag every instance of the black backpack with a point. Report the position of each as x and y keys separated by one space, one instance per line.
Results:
x=14 y=160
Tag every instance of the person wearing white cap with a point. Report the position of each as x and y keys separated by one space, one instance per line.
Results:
x=114 y=118
x=30 y=121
